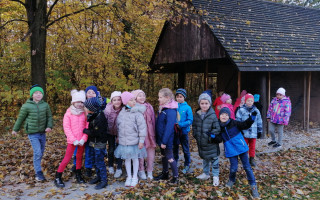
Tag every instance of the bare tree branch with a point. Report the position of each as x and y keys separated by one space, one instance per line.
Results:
x=74 y=13
x=19 y=2
x=13 y=20
x=51 y=8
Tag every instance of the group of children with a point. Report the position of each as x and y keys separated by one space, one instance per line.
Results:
x=130 y=128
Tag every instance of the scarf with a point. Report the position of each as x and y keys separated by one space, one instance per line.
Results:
x=76 y=111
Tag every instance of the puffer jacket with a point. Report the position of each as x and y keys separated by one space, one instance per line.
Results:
x=132 y=127
x=208 y=148
x=149 y=116
x=73 y=126
x=186 y=117
x=112 y=114
x=242 y=115
x=37 y=117
x=98 y=130
x=279 y=110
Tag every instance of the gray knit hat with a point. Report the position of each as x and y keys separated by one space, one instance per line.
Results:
x=204 y=96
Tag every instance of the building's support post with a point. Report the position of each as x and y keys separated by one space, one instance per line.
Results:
x=264 y=103
x=239 y=84
x=308 y=100
x=181 y=77
x=206 y=76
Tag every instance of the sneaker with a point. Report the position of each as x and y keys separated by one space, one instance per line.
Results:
x=229 y=184
x=134 y=182
x=174 y=180
x=255 y=193
x=101 y=185
x=118 y=173
x=186 y=169
x=162 y=176
x=142 y=175
x=277 y=145
x=95 y=180
x=203 y=176
x=40 y=176
x=128 y=182
x=150 y=176
x=215 y=181
x=111 y=170
x=272 y=143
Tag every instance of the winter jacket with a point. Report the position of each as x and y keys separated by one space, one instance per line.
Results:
x=228 y=105
x=186 y=117
x=208 y=148
x=132 y=128
x=165 y=121
x=98 y=130
x=279 y=110
x=73 y=126
x=37 y=117
x=233 y=128
x=112 y=114
x=243 y=113
x=149 y=116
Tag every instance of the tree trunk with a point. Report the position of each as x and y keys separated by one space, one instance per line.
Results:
x=37 y=20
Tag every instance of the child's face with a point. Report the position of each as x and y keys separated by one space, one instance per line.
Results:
x=249 y=102
x=141 y=98
x=116 y=102
x=180 y=98
x=90 y=94
x=224 y=117
x=131 y=102
x=162 y=99
x=204 y=105
x=229 y=101
x=37 y=96
x=280 y=96
x=78 y=104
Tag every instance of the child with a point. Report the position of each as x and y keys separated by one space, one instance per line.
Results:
x=132 y=132
x=235 y=147
x=227 y=102
x=74 y=121
x=206 y=131
x=183 y=126
x=150 y=140
x=217 y=103
x=254 y=132
x=38 y=120
x=239 y=100
x=97 y=138
x=111 y=112
x=241 y=104
x=278 y=115
x=167 y=117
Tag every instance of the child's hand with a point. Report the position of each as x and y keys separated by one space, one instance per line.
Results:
x=268 y=120
x=76 y=143
x=81 y=143
x=14 y=133
x=163 y=146
x=48 y=130
x=177 y=125
x=254 y=113
x=140 y=145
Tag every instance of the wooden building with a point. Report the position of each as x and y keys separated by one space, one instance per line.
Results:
x=250 y=44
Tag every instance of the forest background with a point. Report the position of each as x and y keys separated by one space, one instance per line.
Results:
x=88 y=42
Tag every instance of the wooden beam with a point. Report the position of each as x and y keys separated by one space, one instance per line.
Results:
x=206 y=76
x=239 y=83
x=264 y=103
x=308 y=101
x=304 y=100
x=269 y=98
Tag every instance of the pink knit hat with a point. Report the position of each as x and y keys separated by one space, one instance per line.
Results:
x=136 y=92
x=126 y=96
x=225 y=97
x=243 y=92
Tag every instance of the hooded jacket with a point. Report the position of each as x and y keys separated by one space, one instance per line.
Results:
x=73 y=126
x=279 y=110
x=186 y=117
x=243 y=113
x=111 y=114
x=149 y=116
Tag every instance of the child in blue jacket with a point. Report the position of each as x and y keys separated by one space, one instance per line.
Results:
x=183 y=128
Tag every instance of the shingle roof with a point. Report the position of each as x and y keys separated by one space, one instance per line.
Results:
x=265 y=36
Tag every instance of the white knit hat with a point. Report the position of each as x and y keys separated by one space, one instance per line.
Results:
x=281 y=91
x=115 y=94
x=78 y=96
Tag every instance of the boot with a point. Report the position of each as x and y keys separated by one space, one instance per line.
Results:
x=88 y=172
x=254 y=190
x=162 y=176
x=97 y=179
x=101 y=185
x=58 y=180
x=79 y=176
x=252 y=162
x=174 y=180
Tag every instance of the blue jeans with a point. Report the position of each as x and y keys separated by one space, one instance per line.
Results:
x=246 y=165
x=184 y=141
x=215 y=166
x=99 y=164
x=88 y=157
x=38 y=142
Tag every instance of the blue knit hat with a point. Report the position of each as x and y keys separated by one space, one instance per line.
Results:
x=95 y=104
x=92 y=87
x=225 y=110
x=182 y=91
x=256 y=97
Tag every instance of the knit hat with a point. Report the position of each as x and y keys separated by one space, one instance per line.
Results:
x=115 y=94
x=281 y=91
x=92 y=87
x=35 y=88
x=243 y=92
x=182 y=91
x=204 y=96
x=225 y=97
x=78 y=96
x=126 y=96
x=95 y=104
x=225 y=110
x=256 y=97
x=248 y=96
x=137 y=92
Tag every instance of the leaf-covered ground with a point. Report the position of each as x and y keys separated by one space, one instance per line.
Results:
x=291 y=173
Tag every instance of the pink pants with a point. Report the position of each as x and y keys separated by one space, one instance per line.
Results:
x=68 y=156
x=251 y=142
x=150 y=160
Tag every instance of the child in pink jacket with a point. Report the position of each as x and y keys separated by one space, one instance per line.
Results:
x=227 y=102
x=74 y=121
x=150 y=140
